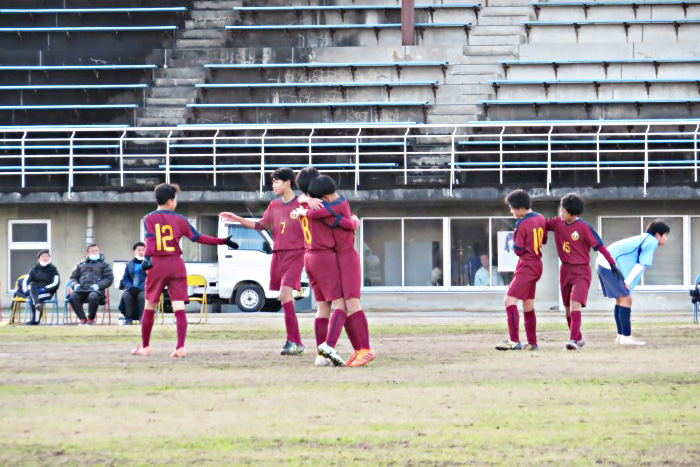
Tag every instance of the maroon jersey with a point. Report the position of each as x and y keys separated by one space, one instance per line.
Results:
x=286 y=232
x=529 y=236
x=337 y=215
x=164 y=229
x=317 y=234
x=574 y=241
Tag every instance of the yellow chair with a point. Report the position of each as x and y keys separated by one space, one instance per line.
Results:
x=195 y=280
x=17 y=303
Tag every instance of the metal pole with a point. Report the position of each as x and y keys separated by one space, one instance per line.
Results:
x=408 y=22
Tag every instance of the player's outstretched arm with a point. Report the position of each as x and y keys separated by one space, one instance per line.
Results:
x=231 y=217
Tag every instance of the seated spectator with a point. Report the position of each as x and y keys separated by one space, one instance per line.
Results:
x=41 y=284
x=482 y=275
x=133 y=284
x=88 y=282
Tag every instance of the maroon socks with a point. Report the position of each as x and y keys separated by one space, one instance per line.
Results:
x=354 y=329
x=530 y=326
x=291 y=323
x=146 y=327
x=575 y=328
x=320 y=330
x=335 y=327
x=181 y=324
x=513 y=322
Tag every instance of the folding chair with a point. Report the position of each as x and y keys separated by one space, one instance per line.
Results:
x=17 y=302
x=55 y=313
x=195 y=280
x=106 y=308
x=695 y=293
x=68 y=315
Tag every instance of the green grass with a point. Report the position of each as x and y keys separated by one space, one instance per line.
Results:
x=436 y=395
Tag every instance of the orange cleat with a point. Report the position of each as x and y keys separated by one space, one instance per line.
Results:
x=178 y=353
x=143 y=351
x=363 y=357
x=352 y=358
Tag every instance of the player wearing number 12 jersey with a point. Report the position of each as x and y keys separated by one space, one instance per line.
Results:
x=164 y=264
x=529 y=236
x=288 y=251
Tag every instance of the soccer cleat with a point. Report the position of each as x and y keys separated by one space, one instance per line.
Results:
x=298 y=350
x=322 y=361
x=143 y=351
x=289 y=348
x=331 y=354
x=631 y=341
x=531 y=347
x=178 y=353
x=617 y=339
x=509 y=345
x=581 y=342
x=571 y=345
x=363 y=358
x=352 y=357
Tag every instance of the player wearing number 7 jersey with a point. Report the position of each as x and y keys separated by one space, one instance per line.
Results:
x=163 y=260
x=529 y=236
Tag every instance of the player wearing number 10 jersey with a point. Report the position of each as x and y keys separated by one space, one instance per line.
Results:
x=529 y=236
x=164 y=229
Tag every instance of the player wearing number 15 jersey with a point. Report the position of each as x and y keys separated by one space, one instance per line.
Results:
x=574 y=238
x=529 y=236
x=164 y=264
x=288 y=251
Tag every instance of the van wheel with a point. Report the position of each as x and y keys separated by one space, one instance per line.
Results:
x=250 y=298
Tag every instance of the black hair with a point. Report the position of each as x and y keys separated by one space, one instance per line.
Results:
x=658 y=227
x=284 y=174
x=137 y=244
x=573 y=204
x=165 y=192
x=41 y=252
x=304 y=178
x=321 y=186
x=91 y=245
x=519 y=199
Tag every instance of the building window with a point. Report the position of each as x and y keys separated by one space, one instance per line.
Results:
x=437 y=253
x=26 y=239
x=669 y=267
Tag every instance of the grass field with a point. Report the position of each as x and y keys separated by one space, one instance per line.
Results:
x=438 y=394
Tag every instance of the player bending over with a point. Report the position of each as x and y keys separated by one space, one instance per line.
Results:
x=288 y=251
x=335 y=212
x=574 y=238
x=529 y=236
x=632 y=256
x=163 y=258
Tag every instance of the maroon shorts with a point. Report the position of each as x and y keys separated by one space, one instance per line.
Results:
x=574 y=280
x=167 y=271
x=349 y=265
x=324 y=275
x=285 y=269
x=525 y=280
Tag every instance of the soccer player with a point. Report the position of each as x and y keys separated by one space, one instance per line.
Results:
x=528 y=237
x=574 y=238
x=632 y=256
x=335 y=210
x=288 y=251
x=164 y=229
x=324 y=277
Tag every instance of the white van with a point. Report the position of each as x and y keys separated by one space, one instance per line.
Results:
x=240 y=277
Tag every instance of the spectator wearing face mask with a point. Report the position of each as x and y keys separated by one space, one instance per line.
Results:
x=133 y=283
x=41 y=283
x=88 y=282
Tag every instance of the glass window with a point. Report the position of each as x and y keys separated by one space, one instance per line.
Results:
x=381 y=252
x=33 y=232
x=668 y=261
x=21 y=262
x=617 y=228
x=469 y=251
x=247 y=239
x=694 y=248
x=503 y=255
x=423 y=252
x=27 y=238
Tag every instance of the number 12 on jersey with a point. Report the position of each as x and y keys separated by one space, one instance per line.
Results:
x=164 y=233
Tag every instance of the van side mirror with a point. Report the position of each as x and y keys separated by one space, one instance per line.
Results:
x=267 y=248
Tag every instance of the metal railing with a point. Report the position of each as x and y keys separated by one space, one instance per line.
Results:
x=545 y=149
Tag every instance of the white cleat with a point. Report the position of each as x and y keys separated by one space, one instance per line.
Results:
x=322 y=361
x=617 y=339
x=631 y=341
x=581 y=342
x=331 y=354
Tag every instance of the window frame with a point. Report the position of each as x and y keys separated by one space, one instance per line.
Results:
x=14 y=246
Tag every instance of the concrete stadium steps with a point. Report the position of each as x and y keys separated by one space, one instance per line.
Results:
x=618 y=12
x=622 y=91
